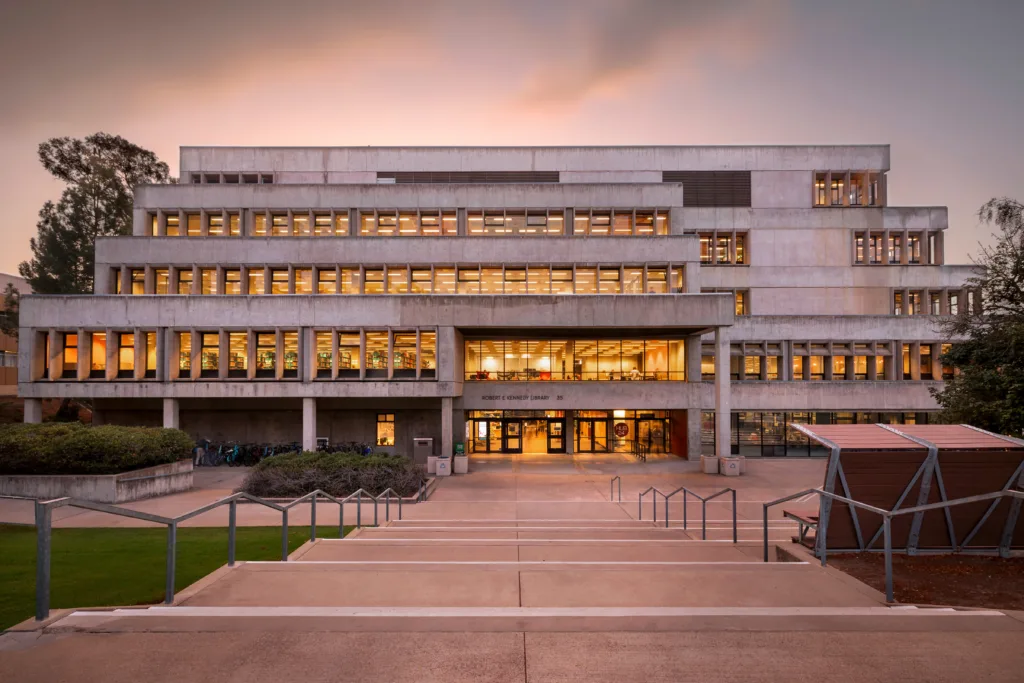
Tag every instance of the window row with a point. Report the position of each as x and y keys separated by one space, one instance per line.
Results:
x=773 y=434
x=910 y=248
x=723 y=248
x=575 y=359
x=243 y=354
x=529 y=279
x=824 y=361
x=848 y=188
x=935 y=302
x=583 y=222
x=232 y=178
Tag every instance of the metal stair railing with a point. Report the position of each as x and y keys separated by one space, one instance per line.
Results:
x=655 y=492
x=611 y=494
x=821 y=535
x=44 y=527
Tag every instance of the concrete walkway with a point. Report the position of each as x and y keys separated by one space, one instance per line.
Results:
x=532 y=577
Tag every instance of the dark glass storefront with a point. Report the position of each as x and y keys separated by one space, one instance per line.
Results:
x=771 y=434
x=545 y=431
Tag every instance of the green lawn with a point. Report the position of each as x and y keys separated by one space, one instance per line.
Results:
x=95 y=567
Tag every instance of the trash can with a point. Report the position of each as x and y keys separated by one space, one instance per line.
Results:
x=730 y=466
x=444 y=466
x=422 y=448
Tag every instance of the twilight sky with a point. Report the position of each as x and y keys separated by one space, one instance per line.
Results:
x=940 y=80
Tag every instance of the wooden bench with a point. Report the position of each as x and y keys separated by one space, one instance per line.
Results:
x=805 y=519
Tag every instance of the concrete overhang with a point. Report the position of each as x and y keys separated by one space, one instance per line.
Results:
x=688 y=313
x=837 y=327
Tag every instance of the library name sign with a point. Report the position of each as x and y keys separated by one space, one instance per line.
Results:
x=521 y=397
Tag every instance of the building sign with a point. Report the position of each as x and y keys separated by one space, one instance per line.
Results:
x=522 y=397
x=621 y=429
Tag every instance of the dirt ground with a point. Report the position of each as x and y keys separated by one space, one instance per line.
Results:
x=960 y=580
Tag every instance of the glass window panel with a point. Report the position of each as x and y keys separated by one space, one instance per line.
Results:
x=408 y=223
x=323 y=342
x=404 y=350
x=192 y=223
x=291 y=353
x=515 y=281
x=279 y=225
x=150 y=354
x=515 y=223
x=661 y=223
x=233 y=281
x=838 y=367
x=350 y=281
x=644 y=223
x=705 y=248
x=125 y=354
x=173 y=226
x=376 y=354
x=341 y=224
x=421 y=278
x=348 y=355
x=259 y=224
x=645 y=360
x=609 y=361
x=581 y=223
x=238 y=354
x=741 y=249
x=450 y=223
x=234 y=224
x=538 y=280
x=138 y=276
x=475 y=223
x=560 y=354
x=469 y=281
x=208 y=280
x=622 y=223
x=609 y=281
x=444 y=280
x=209 y=354
x=817 y=367
x=326 y=281
x=387 y=223
x=162 y=280
x=561 y=281
x=70 y=363
x=398 y=280
x=303 y=280
x=367 y=224
x=657 y=281
x=300 y=224
x=374 y=281
x=430 y=223
x=600 y=223
x=279 y=281
x=385 y=429
x=256 y=282
x=428 y=354
x=633 y=280
x=586 y=280
x=723 y=249
x=323 y=226
x=216 y=227
x=491 y=280
x=184 y=353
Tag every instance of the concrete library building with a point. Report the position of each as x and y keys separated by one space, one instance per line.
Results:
x=674 y=300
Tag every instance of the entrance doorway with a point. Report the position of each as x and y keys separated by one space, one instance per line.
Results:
x=516 y=431
x=591 y=435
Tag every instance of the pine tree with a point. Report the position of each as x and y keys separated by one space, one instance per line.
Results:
x=102 y=172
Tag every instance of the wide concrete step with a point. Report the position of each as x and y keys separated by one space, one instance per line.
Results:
x=517 y=523
x=510 y=533
x=535 y=619
x=436 y=584
x=341 y=550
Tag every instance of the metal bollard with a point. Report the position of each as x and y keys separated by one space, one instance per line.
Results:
x=684 y=508
x=44 y=537
x=284 y=535
x=312 y=519
x=359 y=509
x=735 y=534
x=232 y=522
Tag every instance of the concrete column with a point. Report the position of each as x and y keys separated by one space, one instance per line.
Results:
x=691 y=278
x=851 y=373
x=570 y=429
x=250 y=353
x=764 y=361
x=895 y=371
x=278 y=354
x=309 y=424
x=196 y=353
x=197 y=280
x=885 y=247
x=113 y=342
x=936 y=361
x=222 y=350
x=171 y=414
x=161 y=224
x=447 y=447
x=872 y=363
x=692 y=433
x=461 y=225
x=126 y=280
x=362 y=354
x=140 y=353
x=692 y=347
x=722 y=404
x=150 y=280
x=33 y=410
x=55 y=361
x=904 y=256
x=786 y=371
x=84 y=359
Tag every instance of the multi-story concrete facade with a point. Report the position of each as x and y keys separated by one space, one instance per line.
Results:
x=509 y=299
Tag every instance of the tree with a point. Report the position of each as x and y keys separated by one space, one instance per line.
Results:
x=9 y=311
x=987 y=389
x=102 y=172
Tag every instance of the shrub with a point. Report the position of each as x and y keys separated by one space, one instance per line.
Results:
x=73 y=448
x=291 y=475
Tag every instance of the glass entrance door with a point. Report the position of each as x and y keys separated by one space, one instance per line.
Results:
x=556 y=436
x=592 y=436
x=494 y=436
x=513 y=436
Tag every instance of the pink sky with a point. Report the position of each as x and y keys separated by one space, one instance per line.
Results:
x=936 y=79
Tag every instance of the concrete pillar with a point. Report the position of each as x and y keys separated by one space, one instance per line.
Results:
x=786 y=371
x=172 y=414
x=691 y=278
x=722 y=404
x=895 y=369
x=84 y=359
x=885 y=247
x=904 y=256
x=692 y=434
x=33 y=410
x=570 y=427
x=309 y=424
x=447 y=447
x=936 y=361
x=915 y=361
x=692 y=347
x=55 y=361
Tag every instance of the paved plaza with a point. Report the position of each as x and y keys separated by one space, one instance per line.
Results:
x=527 y=571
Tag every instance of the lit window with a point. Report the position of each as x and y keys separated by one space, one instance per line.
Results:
x=819 y=189
x=209 y=354
x=238 y=354
x=428 y=355
x=208 y=280
x=420 y=283
x=125 y=355
x=741 y=303
x=154 y=223
x=374 y=281
x=377 y=355
x=98 y=356
x=193 y=222
x=234 y=224
x=341 y=224
x=291 y=354
x=138 y=281
x=323 y=354
x=266 y=354
x=404 y=352
x=322 y=225
x=469 y=281
x=326 y=282
x=385 y=429
x=233 y=281
x=348 y=355
x=279 y=281
x=173 y=228
x=657 y=282
x=351 y=281
x=279 y=225
x=70 y=355
x=256 y=281
x=398 y=280
x=184 y=354
x=259 y=225
x=216 y=227
x=838 y=367
x=162 y=280
x=300 y=224
x=303 y=280
x=741 y=249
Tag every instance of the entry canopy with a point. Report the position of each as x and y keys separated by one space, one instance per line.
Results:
x=895 y=467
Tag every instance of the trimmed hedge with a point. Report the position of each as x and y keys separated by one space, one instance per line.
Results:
x=73 y=448
x=291 y=475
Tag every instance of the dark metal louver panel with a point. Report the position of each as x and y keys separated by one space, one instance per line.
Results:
x=712 y=188
x=492 y=177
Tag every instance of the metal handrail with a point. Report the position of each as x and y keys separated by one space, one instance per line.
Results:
x=887 y=516
x=611 y=493
x=44 y=528
x=655 y=492
x=654 y=503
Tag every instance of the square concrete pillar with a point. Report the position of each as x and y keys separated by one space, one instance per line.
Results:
x=172 y=414
x=447 y=442
x=692 y=348
x=139 y=360
x=722 y=403
x=55 y=360
x=570 y=432
x=936 y=361
x=692 y=434
x=84 y=347
x=915 y=361
x=113 y=343
x=33 y=410
x=691 y=279
x=786 y=371
x=309 y=424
